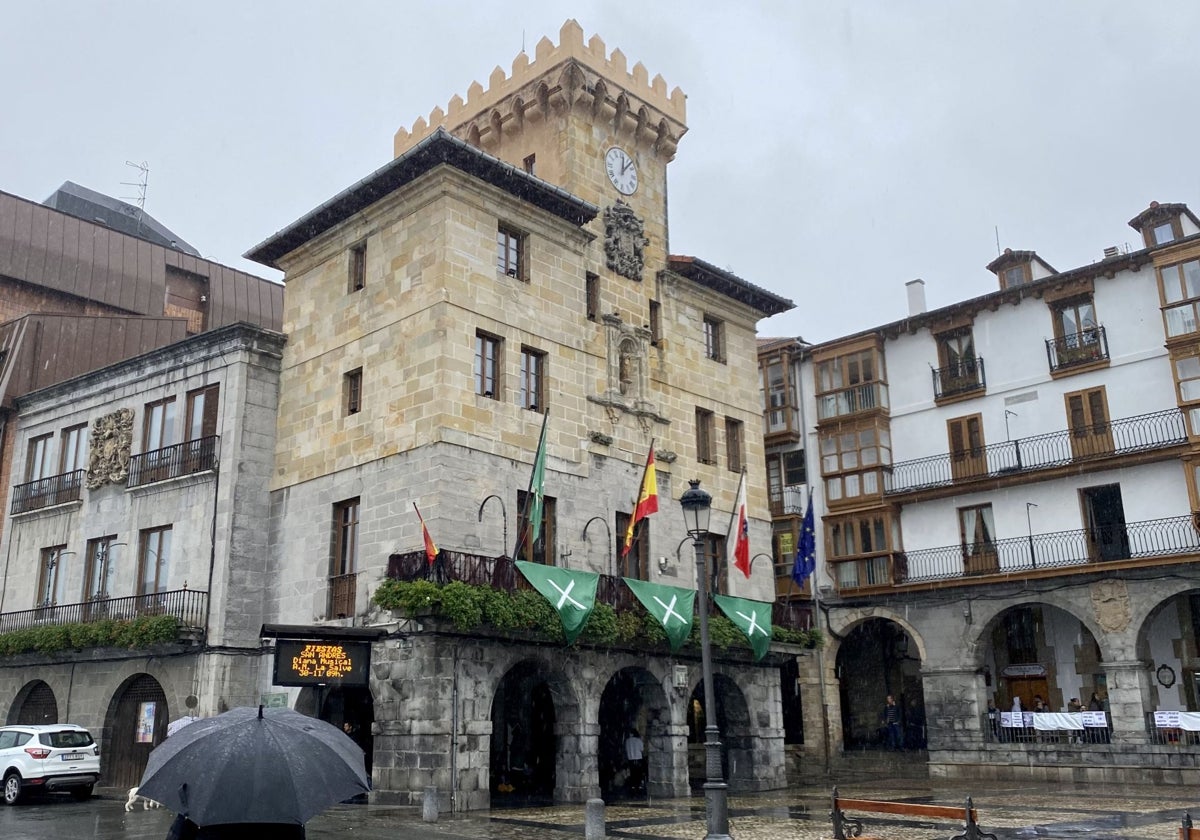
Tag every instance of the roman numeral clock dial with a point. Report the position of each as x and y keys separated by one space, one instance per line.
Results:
x=622 y=171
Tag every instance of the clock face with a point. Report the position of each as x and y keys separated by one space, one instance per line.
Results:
x=622 y=171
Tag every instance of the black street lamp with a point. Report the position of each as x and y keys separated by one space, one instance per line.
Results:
x=697 y=506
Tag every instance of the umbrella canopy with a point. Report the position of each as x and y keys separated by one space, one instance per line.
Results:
x=177 y=724
x=254 y=766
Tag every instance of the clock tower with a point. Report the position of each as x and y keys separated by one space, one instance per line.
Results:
x=577 y=117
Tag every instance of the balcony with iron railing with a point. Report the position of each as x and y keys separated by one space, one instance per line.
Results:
x=1097 y=441
x=1083 y=550
x=788 y=500
x=865 y=397
x=1077 y=349
x=49 y=491
x=180 y=459
x=187 y=605
x=963 y=377
x=501 y=573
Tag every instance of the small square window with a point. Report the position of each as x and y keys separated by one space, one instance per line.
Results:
x=529 y=163
x=1164 y=233
x=510 y=253
x=358 y=267
x=352 y=388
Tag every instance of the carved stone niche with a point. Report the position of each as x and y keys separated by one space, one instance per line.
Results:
x=109 y=446
x=624 y=241
x=628 y=364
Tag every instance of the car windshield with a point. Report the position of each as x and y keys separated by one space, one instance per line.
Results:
x=67 y=738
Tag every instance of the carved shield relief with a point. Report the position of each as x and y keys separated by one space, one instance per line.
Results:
x=624 y=241
x=109 y=447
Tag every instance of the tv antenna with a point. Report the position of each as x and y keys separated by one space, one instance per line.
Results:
x=143 y=169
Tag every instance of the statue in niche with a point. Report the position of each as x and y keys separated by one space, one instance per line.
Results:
x=624 y=241
x=109 y=445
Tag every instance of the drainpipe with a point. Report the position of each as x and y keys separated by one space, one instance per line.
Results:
x=212 y=551
x=454 y=738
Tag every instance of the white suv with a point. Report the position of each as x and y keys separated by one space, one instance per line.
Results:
x=47 y=757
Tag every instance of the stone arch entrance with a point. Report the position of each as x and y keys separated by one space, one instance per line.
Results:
x=878 y=658
x=135 y=723
x=34 y=704
x=1169 y=640
x=349 y=708
x=531 y=709
x=734 y=725
x=633 y=700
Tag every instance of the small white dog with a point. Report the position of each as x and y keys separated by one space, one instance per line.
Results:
x=147 y=804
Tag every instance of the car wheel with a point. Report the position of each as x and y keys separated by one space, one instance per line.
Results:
x=12 y=788
x=82 y=793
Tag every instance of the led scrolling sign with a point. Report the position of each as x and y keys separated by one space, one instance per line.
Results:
x=299 y=662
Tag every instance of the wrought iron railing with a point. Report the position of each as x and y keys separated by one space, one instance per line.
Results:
x=1085 y=547
x=852 y=400
x=343 y=591
x=787 y=501
x=1174 y=736
x=959 y=378
x=501 y=573
x=45 y=492
x=188 y=605
x=1141 y=433
x=192 y=456
x=1081 y=348
x=994 y=733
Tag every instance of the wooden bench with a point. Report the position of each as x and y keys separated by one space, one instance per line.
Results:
x=845 y=828
x=1186 y=832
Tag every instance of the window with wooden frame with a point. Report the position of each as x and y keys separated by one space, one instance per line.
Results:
x=655 y=323
x=1187 y=383
x=39 y=464
x=529 y=164
x=968 y=456
x=73 y=449
x=154 y=560
x=533 y=379
x=735 y=444
x=977 y=532
x=1088 y=421
x=487 y=365
x=860 y=549
x=510 y=252
x=636 y=563
x=957 y=359
x=706 y=447
x=352 y=391
x=1076 y=333
x=1016 y=275
x=542 y=550
x=1179 y=288
x=714 y=338
x=358 y=267
x=851 y=382
x=851 y=459
x=158 y=429
x=345 y=538
x=786 y=475
x=1164 y=232
x=202 y=404
x=52 y=576
x=591 y=283
x=102 y=559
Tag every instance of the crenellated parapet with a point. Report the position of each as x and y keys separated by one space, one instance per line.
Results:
x=572 y=75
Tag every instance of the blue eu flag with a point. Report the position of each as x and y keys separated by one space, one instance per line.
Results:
x=806 y=554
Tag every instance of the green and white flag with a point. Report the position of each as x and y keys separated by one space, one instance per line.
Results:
x=671 y=605
x=572 y=593
x=751 y=617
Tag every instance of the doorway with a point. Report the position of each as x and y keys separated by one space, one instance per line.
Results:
x=135 y=724
x=1105 y=517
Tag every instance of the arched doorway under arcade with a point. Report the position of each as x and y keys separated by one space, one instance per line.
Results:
x=734 y=728
x=136 y=722
x=876 y=659
x=35 y=703
x=530 y=706
x=634 y=701
x=1169 y=641
x=350 y=708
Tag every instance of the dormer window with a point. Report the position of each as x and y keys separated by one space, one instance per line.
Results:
x=1015 y=276
x=1160 y=224
x=1018 y=268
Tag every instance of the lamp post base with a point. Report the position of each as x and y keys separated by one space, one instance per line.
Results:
x=716 y=810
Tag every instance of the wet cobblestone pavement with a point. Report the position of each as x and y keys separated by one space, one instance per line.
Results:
x=1009 y=810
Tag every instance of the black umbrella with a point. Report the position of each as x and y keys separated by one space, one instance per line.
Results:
x=247 y=766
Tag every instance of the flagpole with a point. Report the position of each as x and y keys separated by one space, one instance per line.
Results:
x=637 y=498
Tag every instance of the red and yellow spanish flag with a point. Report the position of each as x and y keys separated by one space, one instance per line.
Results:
x=431 y=550
x=647 y=501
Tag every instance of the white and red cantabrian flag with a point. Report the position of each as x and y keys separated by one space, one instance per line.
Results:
x=431 y=550
x=647 y=500
x=737 y=544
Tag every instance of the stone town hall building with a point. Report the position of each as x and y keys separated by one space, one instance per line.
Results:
x=510 y=267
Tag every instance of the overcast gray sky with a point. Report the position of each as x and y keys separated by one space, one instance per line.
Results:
x=836 y=150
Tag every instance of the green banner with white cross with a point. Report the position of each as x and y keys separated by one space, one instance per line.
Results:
x=751 y=617
x=571 y=593
x=671 y=605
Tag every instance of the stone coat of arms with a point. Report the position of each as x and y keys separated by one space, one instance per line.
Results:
x=109 y=448
x=624 y=241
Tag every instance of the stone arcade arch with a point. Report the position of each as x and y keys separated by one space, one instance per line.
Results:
x=737 y=739
x=34 y=703
x=535 y=746
x=342 y=705
x=136 y=721
x=878 y=657
x=1168 y=640
x=634 y=699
